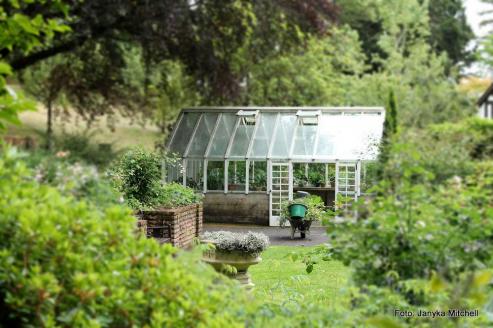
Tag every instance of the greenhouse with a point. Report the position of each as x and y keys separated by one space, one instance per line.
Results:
x=248 y=160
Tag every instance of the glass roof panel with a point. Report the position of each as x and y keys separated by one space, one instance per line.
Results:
x=344 y=134
x=263 y=136
x=326 y=136
x=304 y=140
x=182 y=135
x=241 y=140
x=283 y=137
x=203 y=135
x=223 y=134
x=356 y=136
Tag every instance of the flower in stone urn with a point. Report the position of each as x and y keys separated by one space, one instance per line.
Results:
x=238 y=250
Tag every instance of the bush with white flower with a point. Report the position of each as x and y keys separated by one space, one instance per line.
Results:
x=250 y=242
x=80 y=180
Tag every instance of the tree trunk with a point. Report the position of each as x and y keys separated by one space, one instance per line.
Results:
x=49 y=128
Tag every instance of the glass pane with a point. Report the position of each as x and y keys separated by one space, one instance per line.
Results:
x=174 y=173
x=203 y=135
x=263 y=136
x=241 y=140
x=282 y=139
x=195 y=174
x=313 y=175
x=304 y=141
x=215 y=175
x=357 y=136
x=183 y=132
x=326 y=137
x=257 y=176
x=236 y=175
x=222 y=136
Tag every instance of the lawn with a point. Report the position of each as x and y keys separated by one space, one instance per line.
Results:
x=278 y=276
x=125 y=134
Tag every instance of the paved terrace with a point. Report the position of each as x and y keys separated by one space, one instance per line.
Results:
x=278 y=236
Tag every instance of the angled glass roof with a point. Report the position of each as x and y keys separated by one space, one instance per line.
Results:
x=279 y=133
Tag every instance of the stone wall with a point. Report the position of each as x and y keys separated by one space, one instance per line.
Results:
x=178 y=226
x=236 y=208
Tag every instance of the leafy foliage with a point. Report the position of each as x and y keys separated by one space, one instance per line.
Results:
x=446 y=150
x=212 y=39
x=63 y=263
x=175 y=195
x=448 y=22
x=22 y=32
x=137 y=175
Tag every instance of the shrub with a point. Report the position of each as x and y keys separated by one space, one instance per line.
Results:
x=250 y=242
x=64 y=264
x=418 y=229
x=174 y=194
x=444 y=150
x=137 y=175
x=82 y=181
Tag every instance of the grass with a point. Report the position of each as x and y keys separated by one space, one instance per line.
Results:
x=278 y=277
x=125 y=134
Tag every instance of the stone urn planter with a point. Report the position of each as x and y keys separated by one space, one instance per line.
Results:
x=233 y=253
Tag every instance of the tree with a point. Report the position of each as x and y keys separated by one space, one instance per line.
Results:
x=46 y=82
x=333 y=71
x=320 y=75
x=209 y=36
x=450 y=32
x=21 y=33
x=389 y=132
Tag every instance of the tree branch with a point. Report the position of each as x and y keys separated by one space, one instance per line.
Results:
x=23 y=62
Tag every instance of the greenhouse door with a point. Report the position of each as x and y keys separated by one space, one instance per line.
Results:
x=279 y=190
x=347 y=181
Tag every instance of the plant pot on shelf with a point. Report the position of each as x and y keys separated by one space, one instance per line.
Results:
x=240 y=260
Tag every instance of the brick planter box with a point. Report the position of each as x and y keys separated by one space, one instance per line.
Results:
x=177 y=226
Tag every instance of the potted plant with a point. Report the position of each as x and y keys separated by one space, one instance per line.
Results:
x=214 y=179
x=316 y=178
x=258 y=181
x=331 y=177
x=238 y=251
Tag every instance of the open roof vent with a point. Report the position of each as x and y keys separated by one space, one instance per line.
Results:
x=248 y=117
x=308 y=117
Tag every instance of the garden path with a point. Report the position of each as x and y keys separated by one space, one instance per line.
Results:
x=278 y=236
